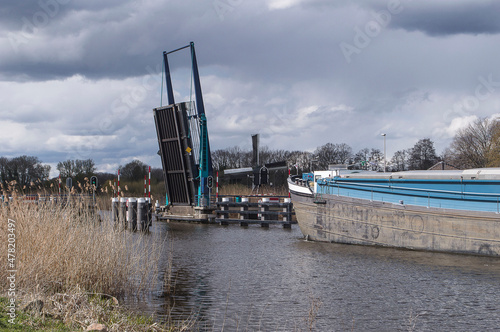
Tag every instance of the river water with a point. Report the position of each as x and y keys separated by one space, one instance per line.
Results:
x=255 y=279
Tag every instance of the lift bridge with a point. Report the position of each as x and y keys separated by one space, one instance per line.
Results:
x=184 y=144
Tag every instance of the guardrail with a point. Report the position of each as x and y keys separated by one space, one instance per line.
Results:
x=458 y=200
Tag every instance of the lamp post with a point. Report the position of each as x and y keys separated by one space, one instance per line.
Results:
x=385 y=160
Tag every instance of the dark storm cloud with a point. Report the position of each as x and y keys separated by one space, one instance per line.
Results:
x=113 y=39
x=443 y=18
x=129 y=39
x=15 y=14
x=121 y=39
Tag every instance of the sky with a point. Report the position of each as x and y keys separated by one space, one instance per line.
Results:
x=79 y=79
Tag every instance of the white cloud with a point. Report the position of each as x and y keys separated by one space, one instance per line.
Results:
x=460 y=123
x=283 y=4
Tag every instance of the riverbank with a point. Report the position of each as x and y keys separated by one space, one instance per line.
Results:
x=67 y=266
x=76 y=311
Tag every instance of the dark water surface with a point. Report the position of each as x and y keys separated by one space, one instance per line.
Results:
x=249 y=279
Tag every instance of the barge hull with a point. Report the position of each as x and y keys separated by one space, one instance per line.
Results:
x=350 y=220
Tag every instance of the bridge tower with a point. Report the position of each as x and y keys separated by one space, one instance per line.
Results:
x=184 y=143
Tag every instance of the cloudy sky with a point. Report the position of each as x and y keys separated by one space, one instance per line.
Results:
x=79 y=79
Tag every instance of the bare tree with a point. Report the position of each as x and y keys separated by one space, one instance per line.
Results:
x=375 y=158
x=494 y=152
x=76 y=169
x=302 y=160
x=344 y=153
x=475 y=145
x=232 y=157
x=325 y=154
x=400 y=160
x=361 y=158
x=4 y=164
x=333 y=154
x=24 y=170
x=134 y=170
x=422 y=155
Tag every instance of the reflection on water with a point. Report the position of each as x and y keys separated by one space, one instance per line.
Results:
x=267 y=279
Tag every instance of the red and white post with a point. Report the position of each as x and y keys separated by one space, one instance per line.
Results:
x=217 y=187
x=289 y=171
x=149 y=191
x=118 y=194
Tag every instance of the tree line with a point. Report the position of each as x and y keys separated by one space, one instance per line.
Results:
x=475 y=146
x=24 y=171
x=28 y=173
x=421 y=156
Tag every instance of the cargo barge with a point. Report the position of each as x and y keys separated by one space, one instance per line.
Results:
x=442 y=211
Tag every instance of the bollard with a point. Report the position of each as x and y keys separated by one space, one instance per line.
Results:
x=224 y=206
x=149 y=210
x=132 y=213
x=244 y=208
x=287 y=215
x=142 y=214
x=122 y=212
x=114 y=209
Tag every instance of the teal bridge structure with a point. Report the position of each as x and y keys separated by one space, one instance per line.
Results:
x=183 y=141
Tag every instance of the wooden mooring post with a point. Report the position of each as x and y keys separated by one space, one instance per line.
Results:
x=265 y=212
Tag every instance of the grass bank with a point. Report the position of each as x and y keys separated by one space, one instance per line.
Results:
x=77 y=311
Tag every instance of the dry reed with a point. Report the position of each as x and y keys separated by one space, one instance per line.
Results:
x=60 y=247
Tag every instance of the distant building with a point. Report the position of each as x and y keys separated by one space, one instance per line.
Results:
x=443 y=166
